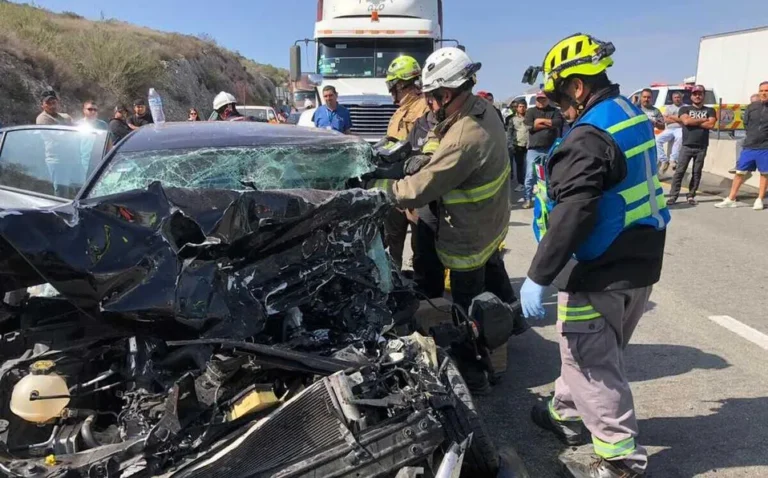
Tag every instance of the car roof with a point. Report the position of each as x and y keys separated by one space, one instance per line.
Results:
x=47 y=126
x=219 y=134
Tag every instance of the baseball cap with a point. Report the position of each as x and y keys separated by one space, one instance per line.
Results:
x=698 y=88
x=541 y=94
x=139 y=102
x=49 y=94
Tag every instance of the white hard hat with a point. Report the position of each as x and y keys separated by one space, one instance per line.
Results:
x=223 y=99
x=447 y=68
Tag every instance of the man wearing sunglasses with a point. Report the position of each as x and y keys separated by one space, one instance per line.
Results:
x=697 y=121
x=600 y=218
x=91 y=116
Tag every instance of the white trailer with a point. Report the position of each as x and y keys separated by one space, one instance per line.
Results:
x=734 y=64
x=355 y=41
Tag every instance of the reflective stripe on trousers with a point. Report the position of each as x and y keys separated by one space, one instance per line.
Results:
x=611 y=451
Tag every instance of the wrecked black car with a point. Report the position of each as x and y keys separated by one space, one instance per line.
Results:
x=221 y=324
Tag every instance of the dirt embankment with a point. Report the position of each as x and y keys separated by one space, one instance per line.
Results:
x=115 y=62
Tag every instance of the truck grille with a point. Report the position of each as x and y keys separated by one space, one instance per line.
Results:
x=371 y=121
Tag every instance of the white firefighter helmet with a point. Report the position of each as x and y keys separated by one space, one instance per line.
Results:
x=223 y=99
x=447 y=68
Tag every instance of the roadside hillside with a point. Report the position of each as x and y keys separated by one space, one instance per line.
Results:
x=111 y=61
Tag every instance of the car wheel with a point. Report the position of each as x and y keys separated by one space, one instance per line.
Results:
x=481 y=459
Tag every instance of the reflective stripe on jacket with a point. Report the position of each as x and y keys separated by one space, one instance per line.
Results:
x=469 y=177
x=637 y=200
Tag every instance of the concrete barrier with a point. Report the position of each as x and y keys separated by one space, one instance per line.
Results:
x=722 y=155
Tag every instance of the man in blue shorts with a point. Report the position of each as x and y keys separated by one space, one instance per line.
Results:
x=754 y=155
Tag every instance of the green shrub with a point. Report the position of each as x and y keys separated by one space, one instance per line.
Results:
x=121 y=67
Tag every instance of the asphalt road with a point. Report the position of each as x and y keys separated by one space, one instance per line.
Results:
x=700 y=389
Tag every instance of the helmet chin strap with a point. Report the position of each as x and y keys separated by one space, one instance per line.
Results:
x=442 y=114
x=579 y=106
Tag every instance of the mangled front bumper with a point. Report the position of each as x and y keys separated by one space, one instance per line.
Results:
x=217 y=333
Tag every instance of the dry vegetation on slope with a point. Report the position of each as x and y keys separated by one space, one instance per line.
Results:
x=113 y=61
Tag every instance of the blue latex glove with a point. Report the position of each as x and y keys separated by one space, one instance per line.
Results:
x=530 y=299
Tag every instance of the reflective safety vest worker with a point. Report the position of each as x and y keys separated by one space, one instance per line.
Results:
x=638 y=200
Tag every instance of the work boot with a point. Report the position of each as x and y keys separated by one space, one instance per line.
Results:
x=573 y=467
x=519 y=324
x=527 y=204
x=570 y=433
x=474 y=376
x=664 y=167
x=499 y=363
x=672 y=200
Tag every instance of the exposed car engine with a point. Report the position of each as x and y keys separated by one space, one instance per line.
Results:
x=213 y=333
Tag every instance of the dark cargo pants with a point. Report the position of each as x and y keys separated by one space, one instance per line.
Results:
x=395 y=230
x=594 y=329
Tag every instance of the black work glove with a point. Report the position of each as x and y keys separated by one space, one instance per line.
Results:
x=386 y=171
x=414 y=164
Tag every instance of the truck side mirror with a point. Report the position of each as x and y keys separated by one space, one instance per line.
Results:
x=295 y=63
x=315 y=79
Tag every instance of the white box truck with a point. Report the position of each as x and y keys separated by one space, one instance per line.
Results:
x=733 y=65
x=356 y=40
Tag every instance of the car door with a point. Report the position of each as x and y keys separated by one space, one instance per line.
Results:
x=44 y=166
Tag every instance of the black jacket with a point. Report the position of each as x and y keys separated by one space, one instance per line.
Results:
x=142 y=120
x=118 y=129
x=587 y=163
x=418 y=137
x=756 y=125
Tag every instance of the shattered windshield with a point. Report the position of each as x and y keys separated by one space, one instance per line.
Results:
x=237 y=168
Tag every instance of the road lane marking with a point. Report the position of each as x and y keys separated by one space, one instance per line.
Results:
x=745 y=331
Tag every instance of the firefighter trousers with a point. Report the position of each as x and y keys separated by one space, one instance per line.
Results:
x=594 y=329
x=395 y=231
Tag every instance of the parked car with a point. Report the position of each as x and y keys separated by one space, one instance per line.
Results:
x=264 y=114
x=47 y=165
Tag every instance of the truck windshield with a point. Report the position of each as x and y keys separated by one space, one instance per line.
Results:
x=353 y=58
x=300 y=96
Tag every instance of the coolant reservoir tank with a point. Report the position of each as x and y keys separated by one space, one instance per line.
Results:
x=42 y=381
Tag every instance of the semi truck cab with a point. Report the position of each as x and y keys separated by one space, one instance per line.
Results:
x=355 y=42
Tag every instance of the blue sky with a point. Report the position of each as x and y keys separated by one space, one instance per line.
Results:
x=655 y=41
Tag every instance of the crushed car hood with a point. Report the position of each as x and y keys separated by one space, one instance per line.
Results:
x=217 y=262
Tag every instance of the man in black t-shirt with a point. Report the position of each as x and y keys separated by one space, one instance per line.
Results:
x=141 y=117
x=697 y=121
